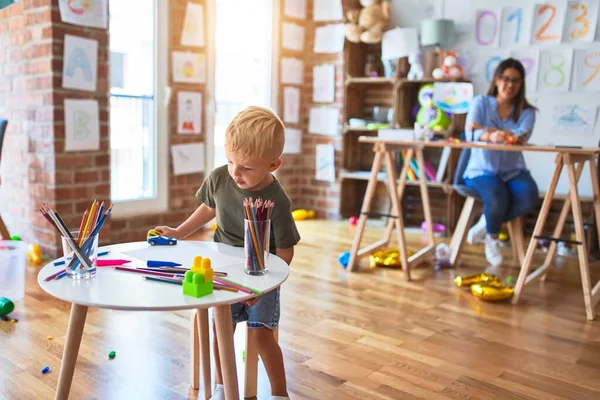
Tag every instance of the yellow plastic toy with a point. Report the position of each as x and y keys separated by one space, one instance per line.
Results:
x=34 y=253
x=152 y=233
x=198 y=280
x=300 y=214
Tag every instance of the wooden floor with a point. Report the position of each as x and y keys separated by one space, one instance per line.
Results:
x=369 y=335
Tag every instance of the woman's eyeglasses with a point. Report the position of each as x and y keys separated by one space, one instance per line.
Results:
x=514 y=81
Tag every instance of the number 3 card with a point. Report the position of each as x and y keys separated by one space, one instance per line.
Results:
x=580 y=23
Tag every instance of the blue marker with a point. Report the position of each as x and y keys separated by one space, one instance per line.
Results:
x=103 y=253
x=45 y=370
x=59 y=263
x=156 y=264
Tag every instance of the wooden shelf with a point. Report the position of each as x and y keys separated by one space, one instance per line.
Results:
x=368 y=81
x=382 y=177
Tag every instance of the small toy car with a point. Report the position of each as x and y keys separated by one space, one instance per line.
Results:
x=160 y=240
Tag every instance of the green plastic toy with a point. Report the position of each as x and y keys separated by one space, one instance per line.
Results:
x=198 y=280
x=428 y=114
x=6 y=306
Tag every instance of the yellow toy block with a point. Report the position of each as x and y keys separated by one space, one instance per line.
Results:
x=198 y=280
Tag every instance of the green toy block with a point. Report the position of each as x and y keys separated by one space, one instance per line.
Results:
x=195 y=286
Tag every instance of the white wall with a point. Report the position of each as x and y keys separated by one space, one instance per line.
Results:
x=408 y=13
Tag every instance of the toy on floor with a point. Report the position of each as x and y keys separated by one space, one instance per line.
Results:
x=156 y=239
x=353 y=220
x=387 y=258
x=486 y=287
x=198 y=280
x=344 y=259
x=300 y=214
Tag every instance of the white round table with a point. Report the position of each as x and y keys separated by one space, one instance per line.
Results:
x=119 y=290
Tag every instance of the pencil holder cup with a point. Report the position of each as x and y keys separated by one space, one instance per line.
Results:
x=257 y=236
x=74 y=267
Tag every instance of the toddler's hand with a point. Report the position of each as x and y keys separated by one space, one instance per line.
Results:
x=167 y=231
x=251 y=302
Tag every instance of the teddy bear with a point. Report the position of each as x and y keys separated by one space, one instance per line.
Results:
x=367 y=24
x=450 y=68
x=416 y=69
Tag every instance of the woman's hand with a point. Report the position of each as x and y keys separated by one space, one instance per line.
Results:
x=167 y=231
x=496 y=137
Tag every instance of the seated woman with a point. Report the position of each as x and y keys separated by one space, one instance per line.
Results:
x=500 y=177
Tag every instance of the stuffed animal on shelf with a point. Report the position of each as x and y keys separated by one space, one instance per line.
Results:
x=366 y=25
x=416 y=68
x=429 y=115
x=450 y=68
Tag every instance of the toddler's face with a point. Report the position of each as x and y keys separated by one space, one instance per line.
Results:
x=250 y=175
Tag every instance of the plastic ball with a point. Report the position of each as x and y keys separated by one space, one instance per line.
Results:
x=344 y=259
x=353 y=220
x=503 y=237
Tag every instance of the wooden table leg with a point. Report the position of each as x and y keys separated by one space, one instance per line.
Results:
x=564 y=213
x=397 y=212
x=4 y=230
x=366 y=207
x=425 y=197
x=71 y=350
x=596 y=193
x=251 y=364
x=224 y=327
x=584 y=266
x=204 y=338
x=539 y=226
x=194 y=352
x=401 y=186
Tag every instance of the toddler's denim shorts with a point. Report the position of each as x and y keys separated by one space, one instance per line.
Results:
x=263 y=314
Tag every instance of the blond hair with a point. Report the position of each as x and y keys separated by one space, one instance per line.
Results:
x=255 y=132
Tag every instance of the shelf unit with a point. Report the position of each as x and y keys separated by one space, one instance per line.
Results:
x=361 y=94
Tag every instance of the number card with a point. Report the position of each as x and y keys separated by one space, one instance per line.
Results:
x=547 y=24
x=581 y=20
x=555 y=70
x=529 y=59
x=516 y=26
x=488 y=62
x=586 y=77
x=487 y=27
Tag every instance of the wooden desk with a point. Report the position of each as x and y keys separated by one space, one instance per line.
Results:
x=574 y=159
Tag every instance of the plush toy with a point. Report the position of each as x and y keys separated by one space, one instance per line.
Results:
x=416 y=69
x=429 y=115
x=367 y=24
x=450 y=68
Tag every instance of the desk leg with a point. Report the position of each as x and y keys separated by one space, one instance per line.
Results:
x=203 y=330
x=564 y=213
x=401 y=186
x=71 y=350
x=539 y=226
x=194 y=352
x=596 y=193
x=397 y=211
x=224 y=327
x=425 y=197
x=584 y=266
x=366 y=207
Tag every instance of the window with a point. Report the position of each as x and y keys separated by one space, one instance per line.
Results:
x=138 y=165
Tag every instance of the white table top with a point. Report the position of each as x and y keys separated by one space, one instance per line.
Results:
x=119 y=290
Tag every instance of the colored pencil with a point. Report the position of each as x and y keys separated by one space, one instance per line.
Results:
x=238 y=286
x=227 y=288
x=164 y=280
x=54 y=275
x=143 y=272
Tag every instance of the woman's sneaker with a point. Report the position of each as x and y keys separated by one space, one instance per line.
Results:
x=476 y=234
x=492 y=251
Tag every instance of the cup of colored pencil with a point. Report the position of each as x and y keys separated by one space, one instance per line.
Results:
x=80 y=247
x=257 y=235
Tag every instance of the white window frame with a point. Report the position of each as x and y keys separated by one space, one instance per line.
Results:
x=210 y=106
x=162 y=94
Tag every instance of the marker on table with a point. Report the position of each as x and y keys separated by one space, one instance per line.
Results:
x=156 y=264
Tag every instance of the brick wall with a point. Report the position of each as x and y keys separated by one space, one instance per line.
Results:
x=181 y=188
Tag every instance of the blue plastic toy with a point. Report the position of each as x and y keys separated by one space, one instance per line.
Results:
x=162 y=241
x=344 y=258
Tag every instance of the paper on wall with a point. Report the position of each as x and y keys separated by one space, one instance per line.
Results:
x=295 y=9
x=574 y=118
x=324 y=121
x=487 y=27
x=291 y=104
x=325 y=163
x=90 y=13
x=82 y=125
x=324 y=83
x=189 y=112
x=193 y=25
x=555 y=70
x=293 y=36
x=530 y=61
x=581 y=21
x=292 y=70
x=189 y=67
x=586 y=71
x=80 y=66
x=187 y=158
x=327 y=10
x=293 y=141
x=516 y=26
x=548 y=22
x=329 y=39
